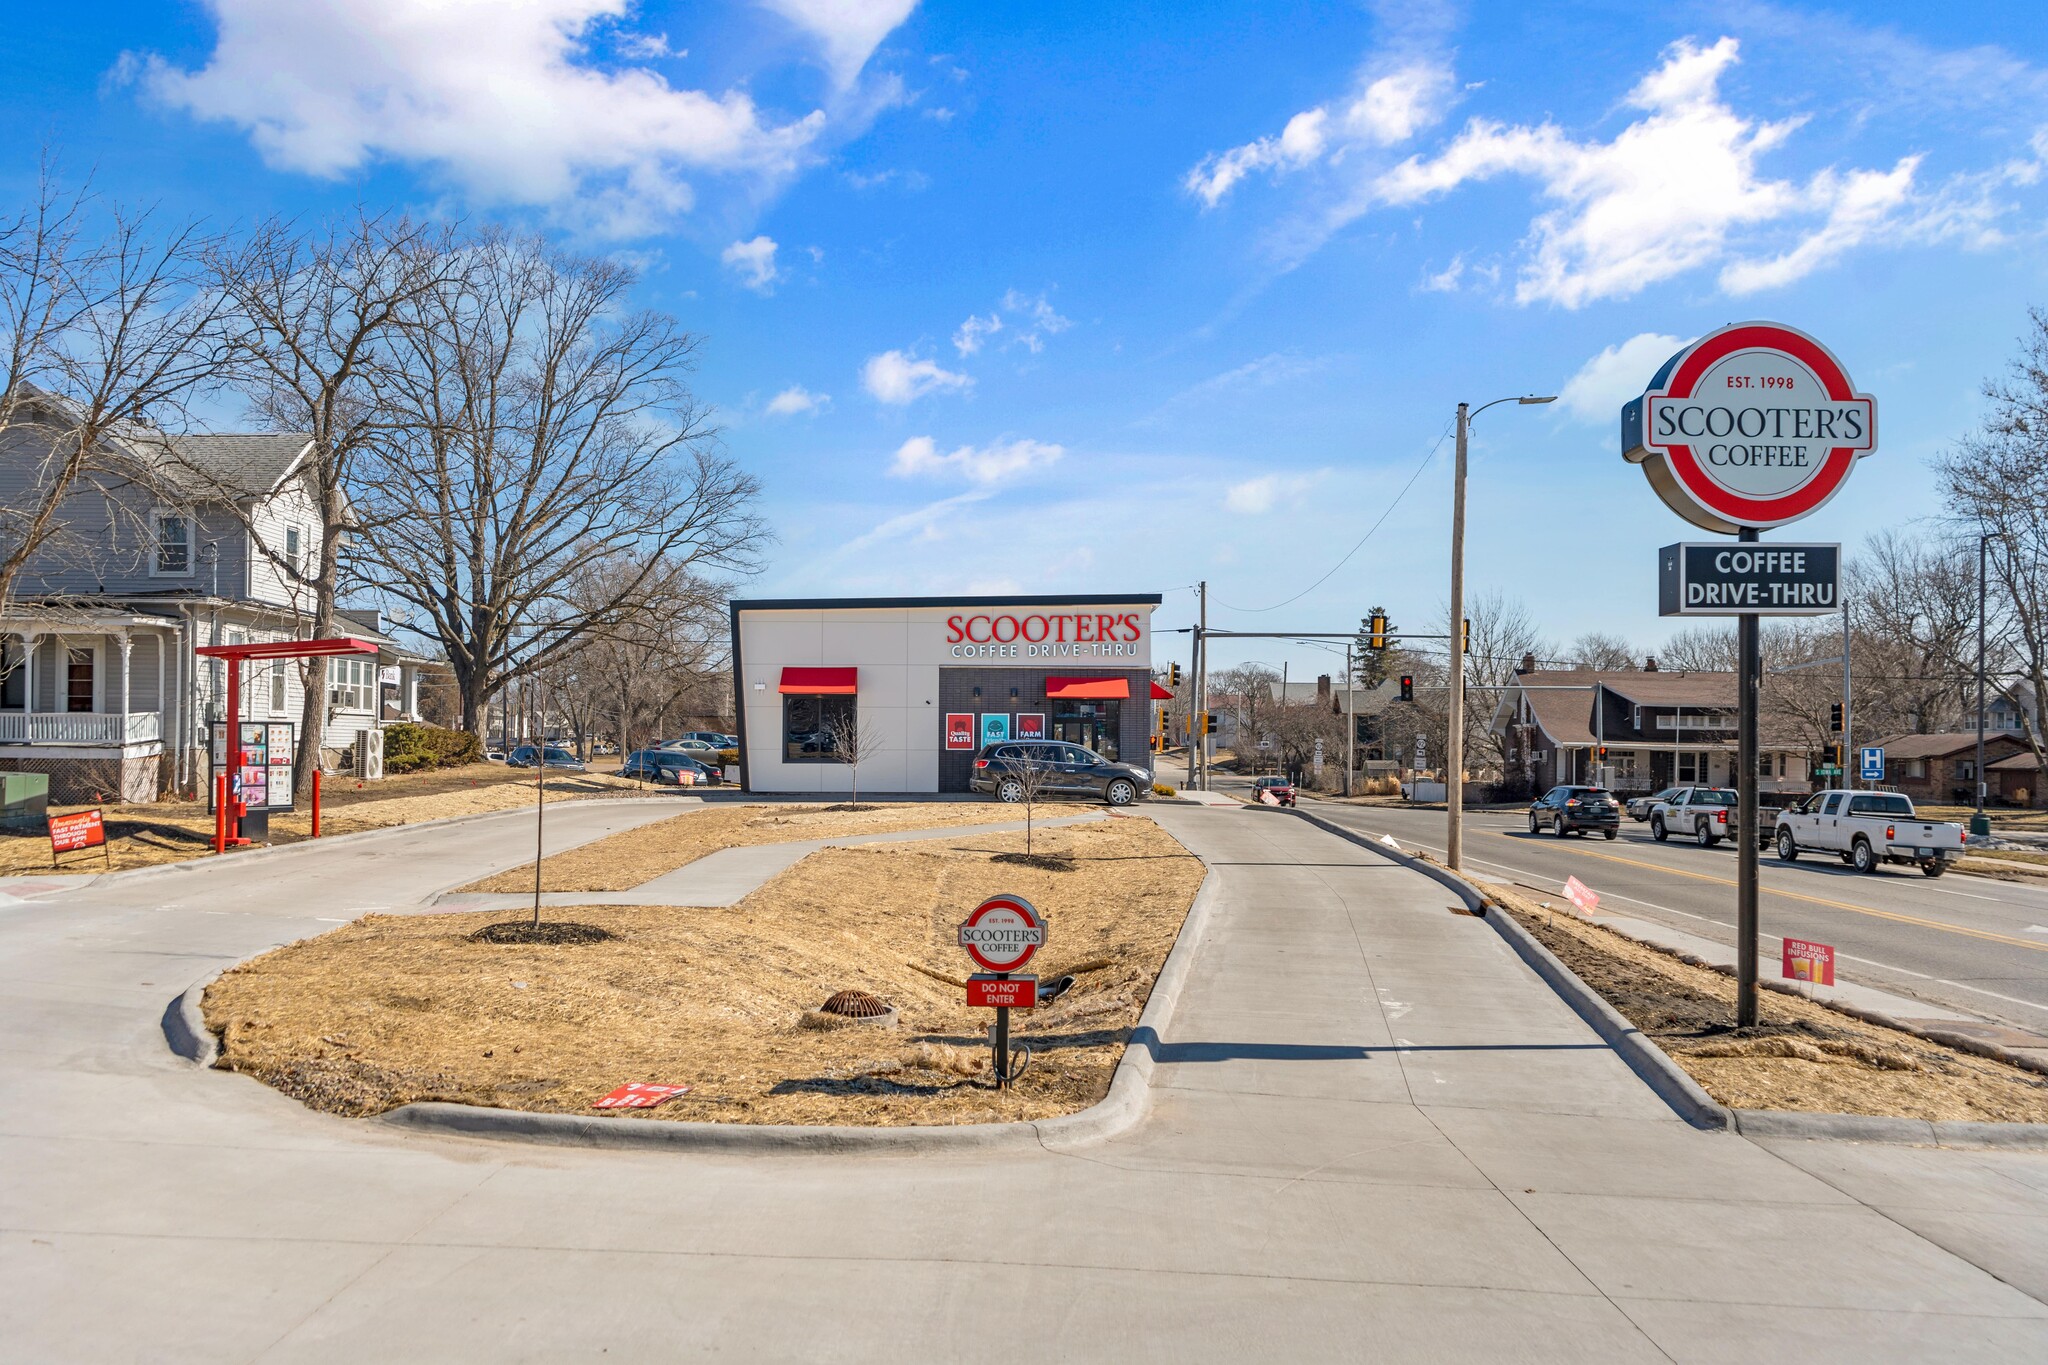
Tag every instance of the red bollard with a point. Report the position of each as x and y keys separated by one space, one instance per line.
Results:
x=220 y=814
x=316 y=803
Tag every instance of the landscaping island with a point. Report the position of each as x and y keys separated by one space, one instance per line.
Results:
x=393 y=1009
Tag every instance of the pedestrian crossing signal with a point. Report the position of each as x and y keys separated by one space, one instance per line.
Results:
x=1407 y=687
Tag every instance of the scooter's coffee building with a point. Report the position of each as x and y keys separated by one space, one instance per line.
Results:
x=925 y=682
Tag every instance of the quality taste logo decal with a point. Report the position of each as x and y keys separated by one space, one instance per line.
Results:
x=1754 y=425
x=1046 y=635
x=959 y=730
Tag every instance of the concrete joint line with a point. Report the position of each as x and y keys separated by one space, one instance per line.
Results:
x=1130 y=1091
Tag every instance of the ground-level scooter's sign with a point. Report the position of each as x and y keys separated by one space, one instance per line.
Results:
x=1003 y=933
x=1720 y=579
x=1755 y=425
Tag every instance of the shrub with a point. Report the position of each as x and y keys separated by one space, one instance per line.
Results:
x=411 y=748
x=1161 y=789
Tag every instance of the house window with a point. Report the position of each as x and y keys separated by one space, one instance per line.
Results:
x=78 y=681
x=808 y=723
x=1966 y=769
x=13 y=675
x=1635 y=718
x=173 y=544
x=1763 y=765
x=1691 y=770
x=291 y=549
x=349 y=683
x=277 y=685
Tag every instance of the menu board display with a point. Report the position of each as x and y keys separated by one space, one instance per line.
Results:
x=264 y=781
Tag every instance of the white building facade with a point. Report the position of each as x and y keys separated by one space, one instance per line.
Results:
x=926 y=682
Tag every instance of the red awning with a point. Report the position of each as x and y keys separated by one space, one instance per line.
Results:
x=1160 y=694
x=825 y=682
x=1088 y=689
x=289 y=649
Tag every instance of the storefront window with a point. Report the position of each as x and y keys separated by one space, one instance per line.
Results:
x=1090 y=724
x=808 y=723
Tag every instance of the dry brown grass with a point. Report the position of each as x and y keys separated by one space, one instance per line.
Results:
x=625 y=860
x=144 y=835
x=393 y=1009
x=1803 y=1056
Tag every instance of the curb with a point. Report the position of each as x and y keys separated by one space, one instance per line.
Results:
x=1475 y=900
x=1128 y=1098
x=203 y=861
x=184 y=1024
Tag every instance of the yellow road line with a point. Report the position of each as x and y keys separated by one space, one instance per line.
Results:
x=1814 y=900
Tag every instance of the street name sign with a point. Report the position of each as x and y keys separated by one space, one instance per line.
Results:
x=1873 y=764
x=1755 y=425
x=1717 y=578
x=1002 y=992
x=1003 y=933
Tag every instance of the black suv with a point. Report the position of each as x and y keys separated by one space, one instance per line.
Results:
x=1575 y=810
x=1061 y=770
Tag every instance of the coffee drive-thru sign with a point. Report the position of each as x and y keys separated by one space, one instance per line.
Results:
x=1753 y=426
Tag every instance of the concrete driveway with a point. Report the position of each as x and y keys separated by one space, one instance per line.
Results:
x=1376 y=1135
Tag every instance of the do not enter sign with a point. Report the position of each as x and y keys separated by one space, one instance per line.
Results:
x=1003 y=933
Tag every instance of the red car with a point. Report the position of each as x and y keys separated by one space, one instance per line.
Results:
x=1273 y=791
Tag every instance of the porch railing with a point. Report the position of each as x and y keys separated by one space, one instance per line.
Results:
x=94 y=728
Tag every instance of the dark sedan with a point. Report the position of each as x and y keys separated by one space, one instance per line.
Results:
x=1575 y=810
x=1013 y=772
x=667 y=766
x=554 y=755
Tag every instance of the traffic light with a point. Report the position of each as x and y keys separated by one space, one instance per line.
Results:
x=1173 y=675
x=1379 y=632
x=1835 y=718
x=1465 y=636
x=1407 y=687
x=1208 y=722
x=1840 y=756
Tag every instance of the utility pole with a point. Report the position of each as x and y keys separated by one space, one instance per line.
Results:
x=1202 y=676
x=1454 y=758
x=1350 y=721
x=1281 y=725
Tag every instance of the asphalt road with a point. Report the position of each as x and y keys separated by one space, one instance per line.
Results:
x=1969 y=943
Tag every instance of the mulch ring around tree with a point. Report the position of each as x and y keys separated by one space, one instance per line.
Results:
x=547 y=931
x=1044 y=862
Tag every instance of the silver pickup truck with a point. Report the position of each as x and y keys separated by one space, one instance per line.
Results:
x=1866 y=829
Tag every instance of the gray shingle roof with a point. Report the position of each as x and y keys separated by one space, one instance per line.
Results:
x=244 y=465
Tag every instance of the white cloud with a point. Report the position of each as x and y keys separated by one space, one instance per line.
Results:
x=1677 y=189
x=795 y=400
x=1385 y=110
x=897 y=378
x=1445 y=281
x=983 y=465
x=1033 y=319
x=968 y=336
x=849 y=31
x=1255 y=497
x=502 y=100
x=1620 y=372
x=754 y=263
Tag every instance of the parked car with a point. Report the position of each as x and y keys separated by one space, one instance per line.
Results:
x=1867 y=829
x=1706 y=813
x=1575 y=810
x=494 y=755
x=1639 y=807
x=1279 y=789
x=1067 y=770
x=553 y=755
x=667 y=766
x=690 y=745
x=713 y=738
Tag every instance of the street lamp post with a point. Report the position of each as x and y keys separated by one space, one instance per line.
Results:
x=1980 y=823
x=1454 y=785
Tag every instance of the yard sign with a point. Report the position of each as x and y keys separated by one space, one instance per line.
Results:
x=1811 y=962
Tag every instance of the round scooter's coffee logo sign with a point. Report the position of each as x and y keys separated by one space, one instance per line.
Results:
x=1754 y=425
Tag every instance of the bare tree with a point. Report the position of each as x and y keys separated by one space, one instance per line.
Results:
x=543 y=430
x=854 y=739
x=1248 y=690
x=1913 y=620
x=1602 y=653
x=1033 y=778
x=311 y=329
x=1995 y=482
x=104 y=334
x=1503 y=634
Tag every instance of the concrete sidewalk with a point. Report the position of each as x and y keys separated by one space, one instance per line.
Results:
x=1376 y=1135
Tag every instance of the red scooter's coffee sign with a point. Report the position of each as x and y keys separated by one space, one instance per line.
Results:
x=1755 y=425
x=68 y=833
x=1003 y=933
x=1046 y=635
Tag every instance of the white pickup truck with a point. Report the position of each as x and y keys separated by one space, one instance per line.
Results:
x=1866 y=829
x=1705 y=813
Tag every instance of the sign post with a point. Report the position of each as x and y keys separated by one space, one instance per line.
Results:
x=1003 y=934
x=1755 y=425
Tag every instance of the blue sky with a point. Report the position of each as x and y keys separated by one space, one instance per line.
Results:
x=1085 y=297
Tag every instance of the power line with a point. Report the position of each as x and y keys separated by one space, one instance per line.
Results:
x=1441 y=438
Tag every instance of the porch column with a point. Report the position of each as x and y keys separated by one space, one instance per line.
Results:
x=30 y=641
x=127 y=653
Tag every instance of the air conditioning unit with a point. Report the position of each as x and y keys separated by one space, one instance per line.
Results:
x=370 y=753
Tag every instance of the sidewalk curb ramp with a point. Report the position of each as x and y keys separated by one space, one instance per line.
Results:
x=1672 y=1084
x=1130 y=1091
